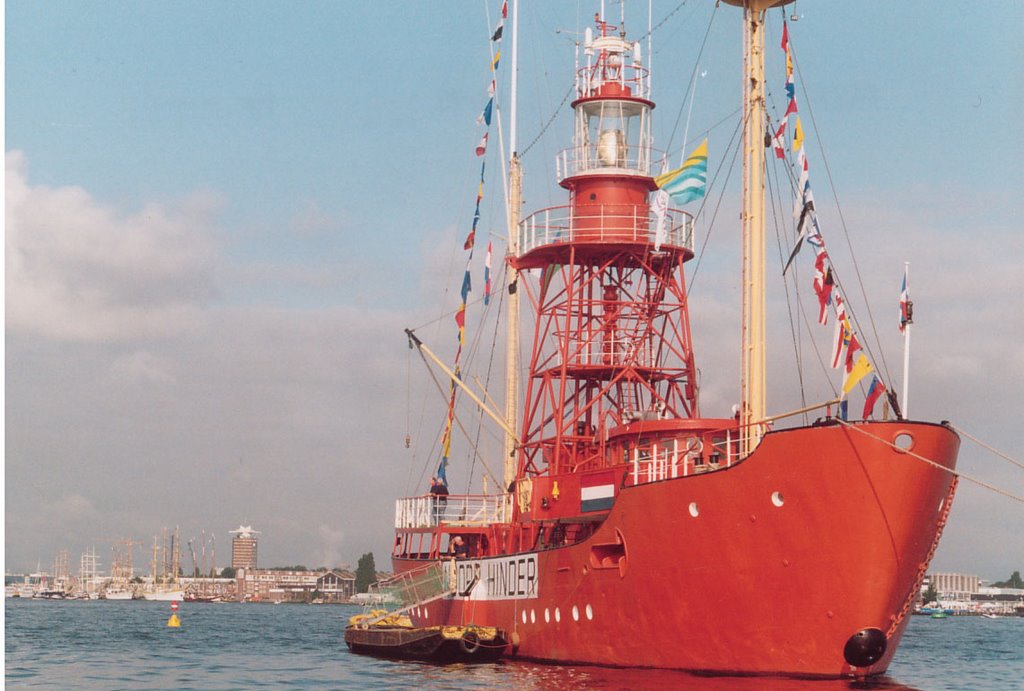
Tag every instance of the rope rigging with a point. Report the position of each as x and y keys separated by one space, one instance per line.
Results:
x=938 y=466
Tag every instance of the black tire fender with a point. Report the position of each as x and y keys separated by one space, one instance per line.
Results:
x=469 y=642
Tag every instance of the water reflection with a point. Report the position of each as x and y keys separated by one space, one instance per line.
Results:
x=527 y=675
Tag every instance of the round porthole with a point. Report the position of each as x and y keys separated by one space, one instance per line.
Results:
x=904 y=441
x=694 y=511
x=590 y=613
x=547 y=616
x=558 y=615
x=575 y=613
x=533 y=616
x=777 y=499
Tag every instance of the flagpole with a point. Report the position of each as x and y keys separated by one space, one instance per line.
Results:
x=906 y=344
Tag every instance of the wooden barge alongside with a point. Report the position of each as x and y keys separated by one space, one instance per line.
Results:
x=396 y=637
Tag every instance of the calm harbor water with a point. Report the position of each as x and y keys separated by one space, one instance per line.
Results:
x=127 y=645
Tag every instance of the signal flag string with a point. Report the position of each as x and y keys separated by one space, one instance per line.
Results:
x=484 y=119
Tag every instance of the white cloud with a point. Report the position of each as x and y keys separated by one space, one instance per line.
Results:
x=78 y=270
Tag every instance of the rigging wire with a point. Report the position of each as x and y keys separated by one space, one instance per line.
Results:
x=665 y=19
x=455 y=416
x=842 y=223
x=986 y=446
x=554 y=115
x=693 y=74
x=837 y=281
x=718 y=206
x=939 y=466
x=490 y=366
x=773 y=191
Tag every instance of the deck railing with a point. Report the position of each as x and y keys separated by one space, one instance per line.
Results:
x=681 y=457
x=559 y=225
x=455 y=509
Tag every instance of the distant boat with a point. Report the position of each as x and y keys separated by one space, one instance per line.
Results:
x=990 y=615
x=165 y=595
x=50 y=594
x=118 y=593
x=939 y=615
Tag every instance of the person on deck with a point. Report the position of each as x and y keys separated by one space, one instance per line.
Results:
x=439 y=492
x=460 y=550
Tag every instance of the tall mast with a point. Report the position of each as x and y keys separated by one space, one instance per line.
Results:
x=512 y=332
x=752 y=368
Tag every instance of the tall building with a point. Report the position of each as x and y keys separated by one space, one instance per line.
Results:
x=243 y=547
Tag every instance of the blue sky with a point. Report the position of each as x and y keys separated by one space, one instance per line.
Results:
x=220 y=217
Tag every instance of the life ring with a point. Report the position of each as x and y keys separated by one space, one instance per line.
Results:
x=469 y=642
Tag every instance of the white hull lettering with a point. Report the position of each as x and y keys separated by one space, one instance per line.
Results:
x=503 y=578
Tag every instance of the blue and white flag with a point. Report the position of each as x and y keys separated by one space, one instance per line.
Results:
x=688 y=183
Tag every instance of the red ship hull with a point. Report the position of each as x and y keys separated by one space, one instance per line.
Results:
x=820 y=535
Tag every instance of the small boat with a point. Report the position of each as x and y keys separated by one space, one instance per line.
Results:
x=990 y=615
x=939 y=615
x=394 y=636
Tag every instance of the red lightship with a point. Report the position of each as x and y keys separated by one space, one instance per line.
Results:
x=636 y=531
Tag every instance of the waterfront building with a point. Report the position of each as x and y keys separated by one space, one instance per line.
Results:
x=243 y=547
x=955 y=586
x=275 y=585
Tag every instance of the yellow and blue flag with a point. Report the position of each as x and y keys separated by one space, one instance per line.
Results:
x=688 y=183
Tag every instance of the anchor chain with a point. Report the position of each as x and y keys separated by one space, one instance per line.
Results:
x=922 y=568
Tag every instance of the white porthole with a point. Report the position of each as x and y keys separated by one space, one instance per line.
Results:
x=524 y=616
x=904 y=441
x=590 y=613
x=547 y=616
x=694 y=511
x=575 y=613
x=558 y=615
x=426 y=614
x=533 y=616
x=778 y=499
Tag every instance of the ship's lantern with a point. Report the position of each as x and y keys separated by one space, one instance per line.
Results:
x=612 y=133
x=611 y=148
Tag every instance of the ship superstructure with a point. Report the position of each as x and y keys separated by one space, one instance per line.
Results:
x=635 y=530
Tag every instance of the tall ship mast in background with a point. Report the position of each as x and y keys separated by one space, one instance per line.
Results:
x=637 y=530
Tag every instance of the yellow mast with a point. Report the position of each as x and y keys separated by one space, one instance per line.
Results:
x=752 y=368
x=515 y=200
x=512 y=335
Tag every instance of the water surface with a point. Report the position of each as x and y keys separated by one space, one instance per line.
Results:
x=127 y=645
